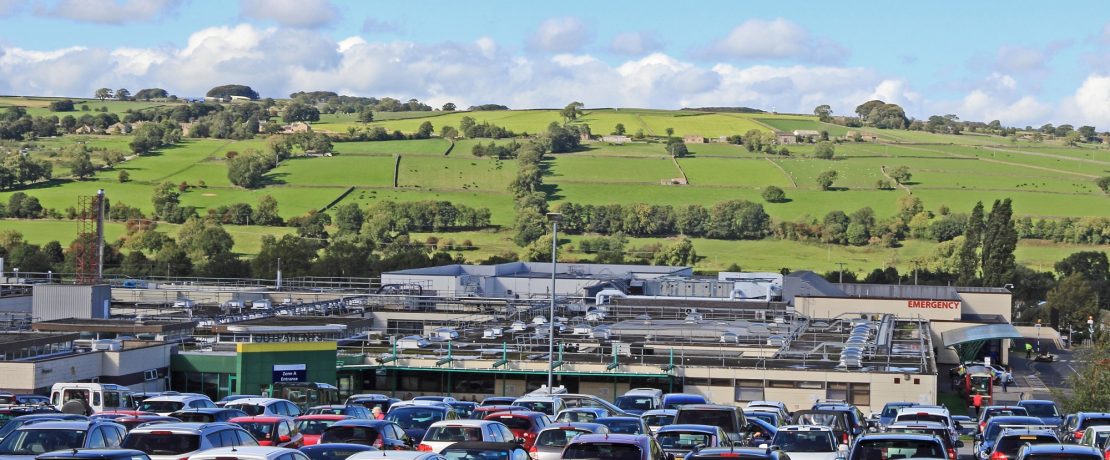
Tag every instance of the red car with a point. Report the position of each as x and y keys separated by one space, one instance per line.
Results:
x=271 y=430
x=312 y=426
x=525 y=425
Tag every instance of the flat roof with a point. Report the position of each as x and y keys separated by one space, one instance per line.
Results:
x=126 y=326
x=296 y=321
x=538 y=269
x=899 y=291
x=12 y=341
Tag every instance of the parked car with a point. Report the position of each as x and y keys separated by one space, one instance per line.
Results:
x=464 y=409
x=415 y=419
x=758 y=432
x=168 y=404
x=673 y=400
x=769 y=417
x=482 y=411
x=886 y=446
x=937 y=414
x=94 y=454
x=337 y=451
x=638 y=400
x=483 y=450
x=36 y=438
x=208 y=414
x=549 y=405
x=680 y=440
x=890 y=410
x=966 y=425
x=738 y=453
x=174 y=441
x=381 y=434
x=581 y=414
x=1043 y=409
x=986 y=413
x=951 y=444
x=272 y=431
x=312 y=426
x=984 y=442
x=625 y=425
x=265 y=406
x=1010 y=440
x=398 y=455
x=524 y=425
x=1073 y=432
x=553 y=438
x=1096 y=436
x=658 y=418
x=250 y=453
x=370 y=401
x=837 y=421
x=498 y=401
x=1058 y=452
x=808 y=442
x=350 y=410
x=442 y=434
x=731 y=419
x=613 y=446
x=142 y=420
x=14 y=423
x=226 y=399
x=778 y=406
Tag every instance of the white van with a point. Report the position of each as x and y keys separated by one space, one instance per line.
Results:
x=638 y=400
x=99 y=397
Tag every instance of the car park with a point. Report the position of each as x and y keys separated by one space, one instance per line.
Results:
x=250 y=453
x=265 y=406
x=484 y=450
x=174 y=441
x=680 y=440
x=442 y=434
x=1096 y=436
x=524 y=425
x=397 y=455
x=986 y=413
x=36 y=438
x=337 y=451
x=1043 y=409
x=464 y=409
x=94 y=454
x=923 y=413
x=894 y=446
x=613 y=446
x=807 y=442
x=380 y=434
x=624 y=425
x=351 y=410
x=482 y=411
x=15 y=423
x=835 y=420
x=984 y=441
x=1058 y=452
x=208 y=414
x=553 y=438
x=312 y=426
x=738 y=453
x=271 y=431
x=658 y=418
x=728 y=418
x=229 y=398
x=168 y=404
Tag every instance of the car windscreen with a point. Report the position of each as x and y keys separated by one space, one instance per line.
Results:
x=635 y=403
x=804 y=441
x=683 y=440
x=31 y=441
x=11 y=426
x=325 y=411
x=415 y=417
x=162 y=444
x=910 y=430
x=1094 y=421
x=453 y=434
x=576 y=416
x=834 y=421
x=765 y=416
x=260 y=430
x=1011 y=411
x=514 y=423
x=622 y=426
x=722 y=418
x=538 y=406
x=898 y=448
x=475 y=454
x=1041 y=410
x=349 y=434
x=314 y=426
x=161 y=406
x=892 y=410
x=557 y=438
x=923 y=417
x=601 y=451
x=658 y=420
x=1009 y=445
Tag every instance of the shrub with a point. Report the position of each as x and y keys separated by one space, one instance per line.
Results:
x=774 y=194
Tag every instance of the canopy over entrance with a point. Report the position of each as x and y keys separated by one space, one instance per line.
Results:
x=969 y=340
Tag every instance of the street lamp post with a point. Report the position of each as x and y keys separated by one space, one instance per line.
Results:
x=554 y=218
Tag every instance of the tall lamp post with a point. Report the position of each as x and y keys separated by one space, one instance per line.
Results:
x=554 y=218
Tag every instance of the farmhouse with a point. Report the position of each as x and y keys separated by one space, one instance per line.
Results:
x=694 y=139
x=296 y=127
x=783 y=137
x=616 y=139
x=807 y=135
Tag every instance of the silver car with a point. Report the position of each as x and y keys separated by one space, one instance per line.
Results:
x=551 y=441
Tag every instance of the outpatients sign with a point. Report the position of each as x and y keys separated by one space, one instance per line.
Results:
x=934 y=304
x=290 y=373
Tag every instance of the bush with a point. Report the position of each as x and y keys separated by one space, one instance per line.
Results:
x=124 y=176
x=774 y=194
x=61 y=106
x=1104 y=184
x=824 y=150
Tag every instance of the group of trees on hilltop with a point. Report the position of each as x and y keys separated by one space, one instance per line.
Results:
x=226 y=91
x=331 y=102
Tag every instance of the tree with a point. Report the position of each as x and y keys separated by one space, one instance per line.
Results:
x=901 y=174
x=147 y=94
x=1093 y=266
x=247 y=170
x=670 y=132
x=425 y=130
x=680 y=253
x=677 y=149
x=1089 y=388
x=826 y=179
x=449 y=107
x=774 y=194
x=539 y=250
x=619 y=129
x=226 y=91
x=1104 y=184
x=571 y=111
x=122 y=94
x=823 y=112
x=148 y=137
x=81 y=165
x=1073 y=138
x=366 y=114
x=103 y=93
x=64 y=105
x=124 y=176
x=349 y=218
x=999 y=243
x=298 y=111
x=266 y=213
x=824 y=150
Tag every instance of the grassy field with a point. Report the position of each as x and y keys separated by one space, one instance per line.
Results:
x=40 y=106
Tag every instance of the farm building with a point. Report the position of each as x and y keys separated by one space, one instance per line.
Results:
x=806 y=135
x=865 y=137
x=694 y=139
x=616 y=139
x=783 y=137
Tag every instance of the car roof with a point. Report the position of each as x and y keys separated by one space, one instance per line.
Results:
x=51 y=415
x=1035 y=401
x=579 y=425
x=583 y=409
x=401 y=454
x=360 y=422
x=923 y=410
x=1011 y=419
x=1061 y=448
x=339 y=445
x=1093 y=414
x=516 y=413
x=91 y=453
x=324 y=417
x=911 y=424
x=660 y=412
x=610 y=438
x=689 y=427
x=262 y=451
x=805 y=428
x=1026 y=431
x=205 y=410
x=464 y=422
x=701 y=407
x=744 y=451
x=330 y=406
x=894 y=436
x=252 y=401
x=1098 y=428
x=261 y=418
x=483 y=445
x=63 y=425
x=184 y=426
x=618 y=419
x=174 y=398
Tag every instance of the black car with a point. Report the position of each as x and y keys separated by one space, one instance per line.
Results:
x=476 y=449
x=207 y=414
x=838 y=421
x=464 y=408
x=334 y=450
x=1010 y=441
x=94 y=454
x=382 y=434
x=731 y=419
x=1058 y=452
x=416 y=419
x=880 y=446
x=737 y=453
x=15 y=423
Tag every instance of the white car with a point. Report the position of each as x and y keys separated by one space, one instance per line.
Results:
x=396 y=454
x=658 y=418
x=265 y=406
x=443 y=434
x=808 y=442
x=250 y=453
x=937 y=414
x=175 y=441
x=167 y=404
x=549 y=405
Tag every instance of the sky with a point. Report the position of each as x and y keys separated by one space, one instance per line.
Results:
x=1021 y=62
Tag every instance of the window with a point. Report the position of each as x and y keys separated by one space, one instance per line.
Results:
x=229 y=438
x=837 y=391
x=780 y=384
x=855 y=393
x=215 y=440
x=749 y=390
x=96 y=438
x=811 y=385
x=245 y=439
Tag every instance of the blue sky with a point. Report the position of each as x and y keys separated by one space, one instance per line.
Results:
x=1021 y=62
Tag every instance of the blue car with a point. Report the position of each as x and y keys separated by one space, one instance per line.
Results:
x=673 y=400
x=984 y=442
x=1043 y=409
x=890 y=410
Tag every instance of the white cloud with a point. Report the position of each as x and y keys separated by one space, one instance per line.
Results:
x=108 y=11
x=979 y=105
x=378 y=26
x=10 y=7
x=775 y=39
x=291 y=13
x=635 y=43
x=1089 y=104
x=1022 y=58
x=567 y=34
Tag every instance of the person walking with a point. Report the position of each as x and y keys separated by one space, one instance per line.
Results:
x=977 y=403
x=1007 y=375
